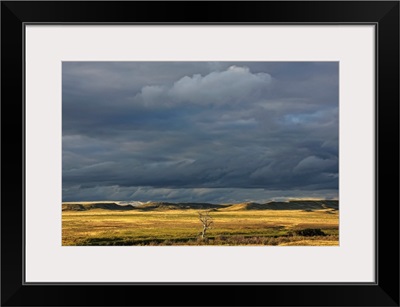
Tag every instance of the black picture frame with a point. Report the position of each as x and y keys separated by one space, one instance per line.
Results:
x=383 y=14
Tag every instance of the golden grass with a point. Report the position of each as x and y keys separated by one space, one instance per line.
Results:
x=319 y=242
x=182 y=227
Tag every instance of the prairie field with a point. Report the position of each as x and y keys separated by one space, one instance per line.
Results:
x=183 y=227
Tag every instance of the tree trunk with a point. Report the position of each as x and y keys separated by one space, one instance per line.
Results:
x=203 y=233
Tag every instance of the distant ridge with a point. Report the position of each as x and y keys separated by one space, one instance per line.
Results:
x=85 y=207
x=273 y=205
x=290 y=205
x=176 y=206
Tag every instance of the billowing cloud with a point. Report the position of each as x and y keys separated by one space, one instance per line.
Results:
x=132 y=131
x=231 y=86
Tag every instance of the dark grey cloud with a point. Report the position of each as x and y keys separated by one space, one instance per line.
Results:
x=188 y=131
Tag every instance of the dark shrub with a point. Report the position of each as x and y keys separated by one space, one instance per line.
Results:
x=310 y=232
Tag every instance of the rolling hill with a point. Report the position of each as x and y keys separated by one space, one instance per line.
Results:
x=307 y=205
x=90 y=206
x=177 y=206
x=290 y=205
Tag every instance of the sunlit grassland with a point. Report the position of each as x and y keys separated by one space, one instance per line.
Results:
x=182 y=227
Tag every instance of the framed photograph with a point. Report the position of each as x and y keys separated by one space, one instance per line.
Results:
x=239 y=154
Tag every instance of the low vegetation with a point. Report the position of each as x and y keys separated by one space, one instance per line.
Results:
x=110 y=225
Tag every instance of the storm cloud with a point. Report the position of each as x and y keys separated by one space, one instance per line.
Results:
x=199 y=131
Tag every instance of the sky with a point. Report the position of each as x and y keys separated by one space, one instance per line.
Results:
x=217 y=132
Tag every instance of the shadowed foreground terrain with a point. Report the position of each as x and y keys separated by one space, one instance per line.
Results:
x=161 y=223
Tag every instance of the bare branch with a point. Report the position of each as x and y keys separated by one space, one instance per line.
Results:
x=206 y=220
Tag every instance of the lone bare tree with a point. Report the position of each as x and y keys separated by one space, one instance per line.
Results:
x=207 y=221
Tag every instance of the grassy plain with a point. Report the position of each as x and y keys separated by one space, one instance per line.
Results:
x=182 y=227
